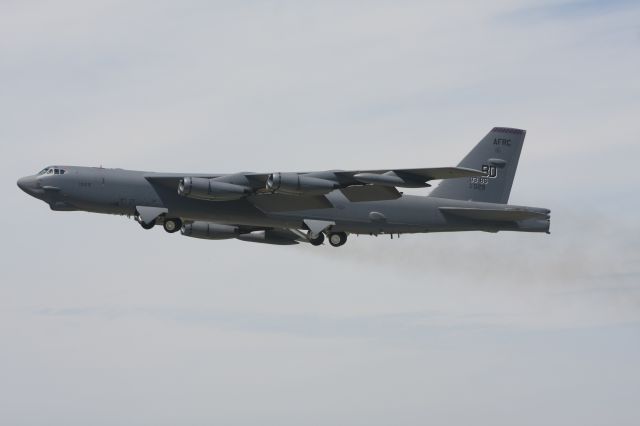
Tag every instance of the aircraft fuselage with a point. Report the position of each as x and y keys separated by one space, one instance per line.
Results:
x=120 y=192
x=274 y=208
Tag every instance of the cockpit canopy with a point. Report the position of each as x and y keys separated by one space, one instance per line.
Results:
x=53 y=170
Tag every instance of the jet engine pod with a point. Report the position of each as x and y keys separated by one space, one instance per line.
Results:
x=280 y=237
x=209 y=231
x=297 y=184
x=211 y=189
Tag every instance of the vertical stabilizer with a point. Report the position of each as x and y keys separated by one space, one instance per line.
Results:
x=497 y=155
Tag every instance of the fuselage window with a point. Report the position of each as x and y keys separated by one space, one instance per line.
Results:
x=56 y=171
x=62 y=171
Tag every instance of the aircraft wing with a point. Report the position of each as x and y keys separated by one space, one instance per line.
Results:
x=305 y=190
x=343 y=177
x=407 y=178
x=423 y=174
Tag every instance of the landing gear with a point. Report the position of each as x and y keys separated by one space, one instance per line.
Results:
x=172 y=225
x=316 y=240
x=336 y=239
x=147 y=225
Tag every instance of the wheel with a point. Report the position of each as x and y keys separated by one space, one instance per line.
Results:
x=316 y=240
x=172 y=225
x=148 y=225
x=336 y=239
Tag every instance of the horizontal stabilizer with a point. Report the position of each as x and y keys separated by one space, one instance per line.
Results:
x=496 y=215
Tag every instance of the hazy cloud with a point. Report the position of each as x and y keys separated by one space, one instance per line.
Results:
x=104 y=323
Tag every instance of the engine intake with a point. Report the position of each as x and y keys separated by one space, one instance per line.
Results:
x=211 y=189
x=296 y=184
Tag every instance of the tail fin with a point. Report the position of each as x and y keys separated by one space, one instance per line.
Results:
x=497 y=155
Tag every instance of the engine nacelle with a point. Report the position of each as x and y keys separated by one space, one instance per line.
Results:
x=280 y=237
x=209 y=231
x=296 y=184
x=211 y=189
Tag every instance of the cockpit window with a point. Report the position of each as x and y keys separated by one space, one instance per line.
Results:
x=52 y=171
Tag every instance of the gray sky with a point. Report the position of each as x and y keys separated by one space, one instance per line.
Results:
x=103 y=323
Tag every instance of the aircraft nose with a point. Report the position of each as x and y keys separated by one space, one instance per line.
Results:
x=28 y=184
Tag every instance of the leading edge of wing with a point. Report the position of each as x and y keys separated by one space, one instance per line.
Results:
x=435 y=173
x=426 y=174
x=417 y=177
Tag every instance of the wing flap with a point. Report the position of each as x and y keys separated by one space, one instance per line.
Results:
x=370 y=193
x=283 y=203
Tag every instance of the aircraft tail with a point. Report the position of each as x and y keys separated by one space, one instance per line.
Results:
x=497 y=155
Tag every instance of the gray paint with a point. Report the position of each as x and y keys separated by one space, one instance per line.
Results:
x=476 y=202
x=497 y=153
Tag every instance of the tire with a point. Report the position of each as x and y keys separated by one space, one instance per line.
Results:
x=172 y=225
x=336 y=239
x=317 y=241
x=148 y=225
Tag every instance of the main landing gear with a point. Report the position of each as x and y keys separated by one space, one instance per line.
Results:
x=147 y=225
x=170 y=225
x=316 y=240
x=336 y=239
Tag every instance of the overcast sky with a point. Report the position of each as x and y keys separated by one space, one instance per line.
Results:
x=103 y=323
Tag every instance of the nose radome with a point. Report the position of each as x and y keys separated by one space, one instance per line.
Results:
x=28 y=184
x=22 y=183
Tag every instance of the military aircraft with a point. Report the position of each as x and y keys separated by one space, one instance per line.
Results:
x=289 y=208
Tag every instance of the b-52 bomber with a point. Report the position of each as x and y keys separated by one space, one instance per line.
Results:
x=289 y=208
